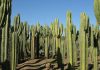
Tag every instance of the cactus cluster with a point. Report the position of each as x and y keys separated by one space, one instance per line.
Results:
x=19 y=41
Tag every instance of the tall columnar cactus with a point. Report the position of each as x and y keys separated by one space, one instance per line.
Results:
x=56 y=24
x=14 y=42
x=92 y=44
x=33 y=31
x=95 y=48
x=13 y=50
x=28 y=40
x=95 y=59
x=2 y=45
x=97 y=10
x=99 y=43
x=60 y=33
x=17 y=27
x=24 y=36
x=20 y=42
x=46 y=41
x=2 y=12
x=16 y=22
x=83 y=42
x=60 y=39
x=69 y=37
x=5 y=12
x=62 y=48
x=7 y=27
x=54 y=39
x=74 y=46
x=37 y=39
x=65 y=43
x=97 y=14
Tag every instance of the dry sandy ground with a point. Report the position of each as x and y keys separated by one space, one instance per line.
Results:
x=39 y=64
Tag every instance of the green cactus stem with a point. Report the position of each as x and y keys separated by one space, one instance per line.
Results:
x=13 y=51
x=74 y=46
x=33 y=30
x=2 y=45
x=5 y=10
x=97 y=10
x=54 y=39
x=83 y=42
x=46 y=41
x=69 y=37
x=95 y=48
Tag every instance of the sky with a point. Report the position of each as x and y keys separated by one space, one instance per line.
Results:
x=46 y=11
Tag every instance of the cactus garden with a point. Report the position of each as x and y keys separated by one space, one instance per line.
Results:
x=54 y=47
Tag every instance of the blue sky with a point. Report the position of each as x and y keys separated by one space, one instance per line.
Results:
x=45 y=11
